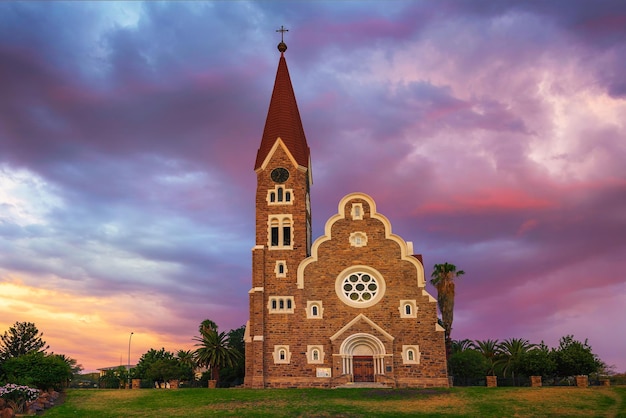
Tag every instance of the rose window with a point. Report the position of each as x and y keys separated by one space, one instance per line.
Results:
x=360 y=287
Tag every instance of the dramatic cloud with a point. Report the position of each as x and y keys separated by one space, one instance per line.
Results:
x=490 y=133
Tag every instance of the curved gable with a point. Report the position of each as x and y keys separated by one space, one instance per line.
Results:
x=406 y=249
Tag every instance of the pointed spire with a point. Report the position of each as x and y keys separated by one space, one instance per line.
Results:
x=283 y=118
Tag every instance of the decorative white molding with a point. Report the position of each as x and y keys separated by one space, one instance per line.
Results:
x=409 y=351
x=361 y=317
x=277 y=354
x=413 y=308
x=406 y=252
x=279 y=143
x=310 y=351
x=358 y=239
x=376 y=278
x=309 y=309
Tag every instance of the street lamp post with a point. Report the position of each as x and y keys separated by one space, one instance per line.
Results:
x=128 y=371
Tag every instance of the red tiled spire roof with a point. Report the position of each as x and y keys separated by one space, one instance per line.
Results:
x=283 y=119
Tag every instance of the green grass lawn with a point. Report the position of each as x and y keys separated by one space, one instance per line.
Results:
x=473 y=402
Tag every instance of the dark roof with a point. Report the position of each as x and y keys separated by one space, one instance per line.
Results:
x=283 y=120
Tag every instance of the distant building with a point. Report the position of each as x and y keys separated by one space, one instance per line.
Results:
x=351 y=307
x=103 y=370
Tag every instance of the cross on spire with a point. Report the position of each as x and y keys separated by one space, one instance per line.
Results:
x=282 y=31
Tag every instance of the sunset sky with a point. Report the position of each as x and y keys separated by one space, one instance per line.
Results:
x=492 y=134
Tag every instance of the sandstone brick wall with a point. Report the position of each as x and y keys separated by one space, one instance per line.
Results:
x=381 y=324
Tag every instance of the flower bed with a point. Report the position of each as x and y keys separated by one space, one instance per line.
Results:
x=17 y=396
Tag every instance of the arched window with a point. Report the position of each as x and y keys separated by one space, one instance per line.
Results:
x=314 y=309
x=280 y=231
x=315 y=354
x=279 y=195
x=286 y=235
x=357 y=211
x=281 y=354
x=281 y=305
x=281 y=269
x=274 y=239
x=411 y=354
x=408 y=308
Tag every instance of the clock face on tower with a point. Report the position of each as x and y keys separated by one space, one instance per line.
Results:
x=280 y=175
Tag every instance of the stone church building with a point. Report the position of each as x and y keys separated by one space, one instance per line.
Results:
x=350 y=307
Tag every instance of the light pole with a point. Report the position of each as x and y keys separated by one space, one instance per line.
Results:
x=128 y=371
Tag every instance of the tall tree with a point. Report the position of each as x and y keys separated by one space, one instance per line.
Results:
x=233 y=376
x=215 y=351
x=22 y=338
x=207 y=324
x=187 y=362
x=442 y=278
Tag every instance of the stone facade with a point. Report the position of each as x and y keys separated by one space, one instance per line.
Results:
x=352 y=307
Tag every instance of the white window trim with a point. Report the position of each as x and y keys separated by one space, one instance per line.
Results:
x=309 y=354
x=275 y=191
x=358 y=239
x=382 y=286
x=416 y=353
x=309 y=309
x=278 y=310
x=283 y=221
x=413 y=305
x=276 y=354
x=276 y=270
x=357 y=214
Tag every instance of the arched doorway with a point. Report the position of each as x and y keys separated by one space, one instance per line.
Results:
x=363 y=357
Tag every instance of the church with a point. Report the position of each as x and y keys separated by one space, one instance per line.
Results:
x=350 y=308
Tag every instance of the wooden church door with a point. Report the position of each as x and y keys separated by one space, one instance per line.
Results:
x=363 y=368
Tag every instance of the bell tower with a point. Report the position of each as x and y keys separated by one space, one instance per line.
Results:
x=283 y=222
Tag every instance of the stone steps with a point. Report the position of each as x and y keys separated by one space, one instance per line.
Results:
x=358 y=385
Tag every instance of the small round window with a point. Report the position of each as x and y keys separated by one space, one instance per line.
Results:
x=359 y=288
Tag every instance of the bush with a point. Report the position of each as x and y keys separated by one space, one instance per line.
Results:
x=39 y=370
x=467 y=365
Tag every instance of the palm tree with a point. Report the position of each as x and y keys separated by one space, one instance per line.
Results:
x=186 y=358
x=207 y=324
x=442 y=278
x=490 y=349
x=215 y=351
x=459 y=346
x=511 y=351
